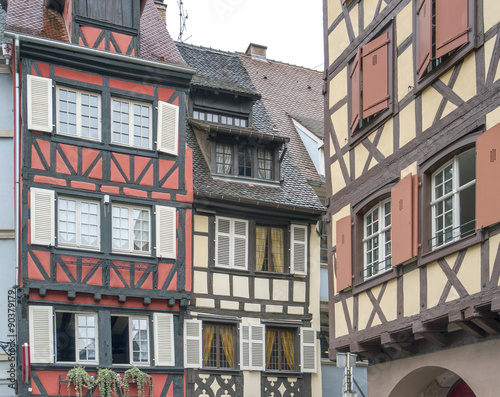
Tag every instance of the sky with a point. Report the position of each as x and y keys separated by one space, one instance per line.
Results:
x=292 y=30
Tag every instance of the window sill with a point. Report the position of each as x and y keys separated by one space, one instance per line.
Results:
x=232 y=371
x=451 y=248
x=361 y=133
x=246 y=180
x=375 y=280
x=287 y=374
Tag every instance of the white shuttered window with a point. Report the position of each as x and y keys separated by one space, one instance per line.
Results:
x=164 y=339
x=252 y=347
x=42 y=216
x=39 y=103
x=298 y=243
x=41 y=329
x=166 y=227
x=231 y=243
x=168 y=128
x=308 y=350
x=192 y=344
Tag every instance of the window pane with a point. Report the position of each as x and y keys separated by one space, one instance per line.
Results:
x=120 y=228
x=67 y=221
x=244 y=162
x=65 y=337
x=120 y=340
x=223 y=158
x=265 y=164
x=141 y=230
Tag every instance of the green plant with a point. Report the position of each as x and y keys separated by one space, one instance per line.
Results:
x=79 y=378
x=108 y=381
x=141 y=378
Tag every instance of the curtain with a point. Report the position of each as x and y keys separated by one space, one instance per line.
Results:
x=260 y=243
x=277 y=250
x=223 y=158
x=270 y=337
x=208 y=336
x=226 y=334
x=289 y=348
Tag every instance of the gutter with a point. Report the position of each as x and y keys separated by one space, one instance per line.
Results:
x=99 y=53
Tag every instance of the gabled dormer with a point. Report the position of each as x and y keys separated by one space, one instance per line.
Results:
x=110 y=25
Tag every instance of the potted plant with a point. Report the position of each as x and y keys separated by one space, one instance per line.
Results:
x=108 y=381
x=135 y=375
x=79 y=378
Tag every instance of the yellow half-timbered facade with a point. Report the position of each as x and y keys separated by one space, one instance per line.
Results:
x=411 y=139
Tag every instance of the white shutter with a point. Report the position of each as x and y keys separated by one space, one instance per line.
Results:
x=42 y=216
x=41 y=329
x=168 y=127
x=164 y=339
x=308 y=349
x=240 y=246
x=222 y=242
x=166 y=227
x=252 y=347
x=39 y=103
x=192 y=344
x=299 y=249
x=245 y=346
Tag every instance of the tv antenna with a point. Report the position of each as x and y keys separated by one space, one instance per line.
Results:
x=183 y=16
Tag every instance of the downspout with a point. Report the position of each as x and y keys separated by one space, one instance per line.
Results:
x=17 y=162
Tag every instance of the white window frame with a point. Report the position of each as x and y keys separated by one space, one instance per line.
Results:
x=454 y=194
x=131 y=250
x=79 y=115
x=380 y=233
x=130 y=339
x=232 y=237
x=79 y=224
x=131 y=123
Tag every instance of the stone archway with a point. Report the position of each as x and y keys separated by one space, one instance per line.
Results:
x=432 y=382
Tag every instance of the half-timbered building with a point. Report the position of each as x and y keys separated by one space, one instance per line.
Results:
x=412 y=112
x=105 y=191
x=251 y=327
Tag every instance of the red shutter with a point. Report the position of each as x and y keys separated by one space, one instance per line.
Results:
x=487 y=178
x=344 y=253
x=375 y=65
x=424 y=16
x=355 y=91
x=415 y=215
x=402 y=220
x=452 y=25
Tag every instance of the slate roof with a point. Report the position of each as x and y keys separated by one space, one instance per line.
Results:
x=290 y=91
x=293 y=192
x=31 y=17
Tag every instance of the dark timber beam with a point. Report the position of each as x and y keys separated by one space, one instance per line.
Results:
x=484 y=319
x=457 y=317
x=437 y=334
x=369 y=350
x=403 y=344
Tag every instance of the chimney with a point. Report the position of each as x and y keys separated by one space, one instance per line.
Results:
x=162 y=9
x=256 y=51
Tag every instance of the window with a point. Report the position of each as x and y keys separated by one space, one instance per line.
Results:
x=131 y=123
x=442 y=27
x=219 y=118
x=218 y=345
x=280 y=349
x=78 y=113
x=371 y=80
x=76 y=337
x=244 y=161
x=265 y=164
x=270 y=247
x=224 y=158
x=130 y=340
x=377 y=239
x=131 y=229
x=453 y=199
x=231 y=245
x=78 y=223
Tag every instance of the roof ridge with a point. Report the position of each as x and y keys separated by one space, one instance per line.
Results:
x=242 y=54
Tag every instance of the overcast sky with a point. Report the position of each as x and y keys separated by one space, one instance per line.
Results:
x=291 y=29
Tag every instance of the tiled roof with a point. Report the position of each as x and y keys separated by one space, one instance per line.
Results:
x=290 y=91
x=217 y=69
x=31 y=17
x=294 y=191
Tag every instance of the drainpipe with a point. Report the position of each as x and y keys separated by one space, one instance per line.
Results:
x=17 y=162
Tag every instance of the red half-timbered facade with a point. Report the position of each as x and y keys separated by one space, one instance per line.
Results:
x=106 y=191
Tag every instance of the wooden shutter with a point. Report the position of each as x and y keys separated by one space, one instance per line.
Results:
x=192 y=344
x=240 y=246
x=41 y=329
x=452 y=25
x=166 y=227
x=168 y=128
x=344 y=253
x=487 y=178
x=163 y=326
x=298 y=249
x=39 y=103
x=308 y=350
x=375 y=69
x=42 y=216
x=222 y=241
x=252 y=347
x=402 y=220
x=356 y=91
x=424 y=17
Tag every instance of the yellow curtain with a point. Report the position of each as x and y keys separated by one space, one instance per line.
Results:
x=288 y=347
x=226 y=334
x=270 y=337
x=277 y=250
x=260 y=243
x=208 y=336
